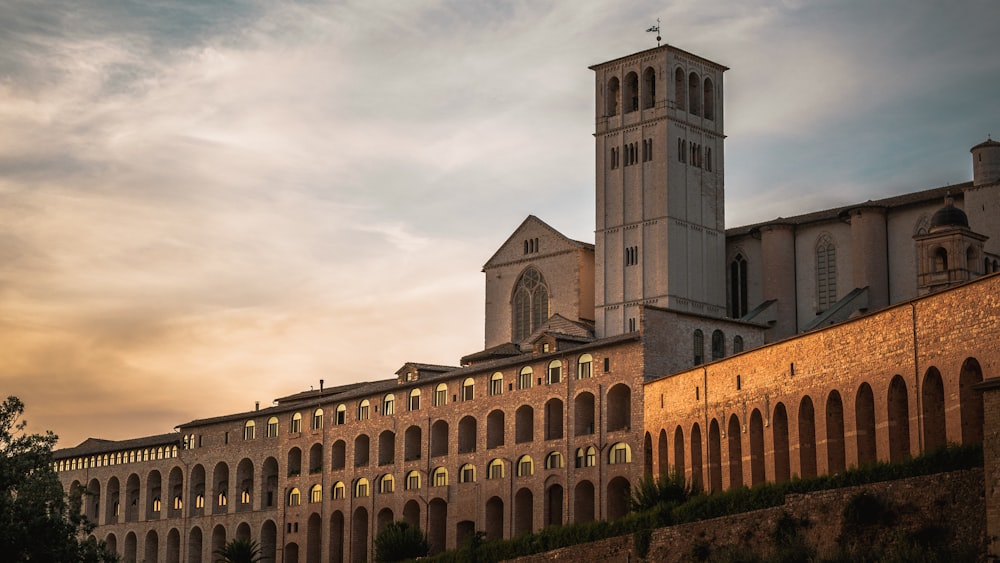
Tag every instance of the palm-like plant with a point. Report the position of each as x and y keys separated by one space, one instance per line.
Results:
x=239 y=551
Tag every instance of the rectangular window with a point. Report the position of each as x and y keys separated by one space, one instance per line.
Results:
x=414 y=402
x=496 y=387
x=440 y=397
x=363 y=412
x=248 y=432
x=468 y=475
x=272 y=429
x=524 y=381
x=226 y=438
x=555 y=374
x=388 y=408
x=440 y=479
x=413 y=482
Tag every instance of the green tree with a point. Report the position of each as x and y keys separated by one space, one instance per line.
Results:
x=38 y=521
x=399 y=541
x=239 y=551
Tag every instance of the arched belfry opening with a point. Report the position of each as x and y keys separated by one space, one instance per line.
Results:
x=530 y=303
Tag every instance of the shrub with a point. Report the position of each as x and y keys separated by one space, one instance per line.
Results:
x=399 y=541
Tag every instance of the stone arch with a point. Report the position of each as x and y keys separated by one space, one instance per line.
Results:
x=92 y=501
x=631 y=94
x=175 y=493
x=294 y=462
x=383 y=519
x=523 y=511
x=807 y=438
x=336 y=537
x=864 y=417
x=971 y=402
x=220 y=488
x=173 y=546
x=244 y=483
x=648 y=88
x=412 y=440
x=315 y=461
x=898 y=412
x=112 y=501
x=583 y=414
x=696 y=459
x=494 y=518
x=757 y=472
x=619 y=409
x=619 y=493
x=709 y=105
x=386 y=447
x=734 y=435
x=932 y=405
x=269 y=540
x=437 y=525
x=662 y=451
x=132 y=498
x=359 y=535
x=583 y=501
x=411 y=513
x=291 y=553
x=714 y=457
x=495 y=429
x=439 y=438
x=243 y=531
x=467 y=434
x=679 y=450
x=218 y=538
x=362 y=450
x=524 y=424
x=131 y=551
x=836 y=453
x=151 y=547
x=195 y=545
x=680 y=89
x=314 y=542
x=111 y=541
x=554 y=505
x=779 y=432
x=647 y=457
x=553 y=419
x=694 y=93
x=613 y=97
x=154 y=491
x=464 y=530
x=338 y=455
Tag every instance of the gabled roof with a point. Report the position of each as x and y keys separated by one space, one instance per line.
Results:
x=424 y=369
x=529 y=222
x=501 y=351
x=562 y=328
x=99 y=445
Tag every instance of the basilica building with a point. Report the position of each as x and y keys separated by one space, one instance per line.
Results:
x=797 y=346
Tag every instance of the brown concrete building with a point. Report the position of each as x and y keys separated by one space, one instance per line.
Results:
x=671 y=341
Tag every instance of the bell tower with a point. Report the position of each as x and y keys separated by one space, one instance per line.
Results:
x=660 y=226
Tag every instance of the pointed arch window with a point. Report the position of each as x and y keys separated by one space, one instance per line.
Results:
x=738 y=287
x=531 y=303
x=699 y=347
x=826 y=273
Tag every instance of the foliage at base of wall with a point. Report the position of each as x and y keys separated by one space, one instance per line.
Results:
x=682 y=503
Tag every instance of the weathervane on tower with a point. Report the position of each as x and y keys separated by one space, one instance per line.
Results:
x=655 y=29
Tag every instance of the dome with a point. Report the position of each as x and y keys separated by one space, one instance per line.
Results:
x=949 y=216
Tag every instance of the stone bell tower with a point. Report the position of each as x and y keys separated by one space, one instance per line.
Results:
x=660 y=228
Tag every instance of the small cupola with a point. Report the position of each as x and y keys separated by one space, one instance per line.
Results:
x=949 y=217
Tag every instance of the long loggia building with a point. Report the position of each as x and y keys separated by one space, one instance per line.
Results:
x=670 y=341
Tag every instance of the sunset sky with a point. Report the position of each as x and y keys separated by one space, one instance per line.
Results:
x=207 y=204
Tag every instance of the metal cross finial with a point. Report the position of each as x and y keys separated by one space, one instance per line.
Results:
x=655 y=29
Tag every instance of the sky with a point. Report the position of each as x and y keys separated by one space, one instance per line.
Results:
x=208 y=204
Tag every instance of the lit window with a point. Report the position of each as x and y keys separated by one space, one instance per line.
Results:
x=272 y=427
x=389 y=405
x=178 y=502
x=496 y=384
x=316 y=493
x=524 y=378
x=222 y=499
x=554 y=460
x=245 y=496
x=586 y=457
x=361 y=488
x=294 y=497
x=296 y=426
x=341 y=414
x=525 y=466
x=317 y=420
x=339 y=490
x=584 y=366
x=440 y=477
x=363 y=407
x=386 y=485
x=467 y=474
x=248 y=430
x=412 y=480
x=156 y=504
x=199 y=501
x=620 y=453
x=441 y=395
x=414 y=400
x=555 y=371
x=468 y=389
